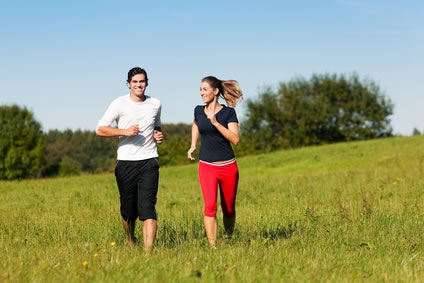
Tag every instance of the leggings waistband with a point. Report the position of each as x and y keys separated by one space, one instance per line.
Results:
x=220 y=164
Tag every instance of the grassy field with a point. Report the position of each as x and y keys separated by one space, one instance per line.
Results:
x=345 y=212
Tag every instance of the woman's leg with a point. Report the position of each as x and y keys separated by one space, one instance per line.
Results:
x=211 y=229
x=209 y=185
x=228 y=181
x=229 y=225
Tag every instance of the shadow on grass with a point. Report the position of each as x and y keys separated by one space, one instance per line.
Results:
x=171 y=235
x=279 y=232
x=266 y=235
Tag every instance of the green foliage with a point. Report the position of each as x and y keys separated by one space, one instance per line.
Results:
x=72 y=152
x=21 y=143
x=416 y=132
x=349 y=212
x=173 y=151
x=69 y=167
x=325 y=109
x=82 y=149
x=180 y=130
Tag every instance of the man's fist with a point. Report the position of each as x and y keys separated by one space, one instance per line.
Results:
x=158 y=136
x=132 y=131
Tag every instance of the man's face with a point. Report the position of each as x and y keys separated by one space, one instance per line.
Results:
x=138 y=85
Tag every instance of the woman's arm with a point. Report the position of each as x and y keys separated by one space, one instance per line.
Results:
x=194 y=137
x=231 y=134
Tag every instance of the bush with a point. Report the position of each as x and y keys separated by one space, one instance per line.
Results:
x=21 y=143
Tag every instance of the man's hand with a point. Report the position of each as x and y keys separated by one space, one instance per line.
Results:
x=132 y=131
x=158 y=136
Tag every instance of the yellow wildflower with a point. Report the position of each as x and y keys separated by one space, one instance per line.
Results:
x=85 y=263
x=112 y=244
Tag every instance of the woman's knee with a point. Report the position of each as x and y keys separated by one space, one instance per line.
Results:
x=210 y=210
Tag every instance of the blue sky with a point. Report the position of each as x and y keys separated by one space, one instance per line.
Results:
x=67 y=60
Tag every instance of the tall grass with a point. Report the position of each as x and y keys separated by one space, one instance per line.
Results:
x=344 y=212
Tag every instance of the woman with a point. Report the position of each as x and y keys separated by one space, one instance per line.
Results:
x=217 y=125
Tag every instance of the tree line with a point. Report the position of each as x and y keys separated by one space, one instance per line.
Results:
x=323 y=109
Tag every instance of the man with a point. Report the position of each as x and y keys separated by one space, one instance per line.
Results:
x=137 y=168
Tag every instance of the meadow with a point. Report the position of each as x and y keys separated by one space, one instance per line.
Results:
x=349 y=212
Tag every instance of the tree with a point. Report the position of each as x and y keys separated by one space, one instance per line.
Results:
x=69 y=167
x=72 y=152
x=416 y=132
x=91 y=153
x=21 y=143
x=324 y=109
x=177 y=140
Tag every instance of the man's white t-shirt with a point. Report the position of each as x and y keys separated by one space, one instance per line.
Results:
x=126 y=113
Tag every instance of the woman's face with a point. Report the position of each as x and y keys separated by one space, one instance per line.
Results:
x=208 y=93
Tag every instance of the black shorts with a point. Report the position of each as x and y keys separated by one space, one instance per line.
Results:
x=138 y=183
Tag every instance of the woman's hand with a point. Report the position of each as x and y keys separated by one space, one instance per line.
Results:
x=190 y=152
x=210 y=113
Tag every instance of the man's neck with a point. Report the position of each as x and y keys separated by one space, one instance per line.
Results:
x=136 y=98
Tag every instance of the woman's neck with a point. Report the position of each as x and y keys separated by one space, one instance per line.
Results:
x=213 y=104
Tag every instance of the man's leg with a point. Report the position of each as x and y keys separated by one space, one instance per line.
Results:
x=127 y=185
x=148 y=184
x=129 y=228
x=149 y=233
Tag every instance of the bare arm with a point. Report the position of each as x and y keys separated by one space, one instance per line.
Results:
x=107 y=131
x=231 y=134
x=194 y=138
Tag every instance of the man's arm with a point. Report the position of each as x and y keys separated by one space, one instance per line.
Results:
x=158 y=135
x=107 y=131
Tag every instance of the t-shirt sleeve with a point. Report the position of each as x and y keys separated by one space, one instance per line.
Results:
x=232 y=116
x=109 y=117
x=196 y=110
x=158 y=122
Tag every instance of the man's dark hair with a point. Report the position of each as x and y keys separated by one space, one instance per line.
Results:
x=135 y=71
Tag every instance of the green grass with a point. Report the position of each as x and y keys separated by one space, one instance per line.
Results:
x=344 y=212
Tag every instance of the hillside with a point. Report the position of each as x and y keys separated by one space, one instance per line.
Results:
x=348 y=211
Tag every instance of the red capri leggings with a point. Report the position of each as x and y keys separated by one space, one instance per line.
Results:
x=226 y=176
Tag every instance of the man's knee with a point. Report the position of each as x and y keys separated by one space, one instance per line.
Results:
x=147 y=213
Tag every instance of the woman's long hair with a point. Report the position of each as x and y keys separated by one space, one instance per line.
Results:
x=228 y=90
